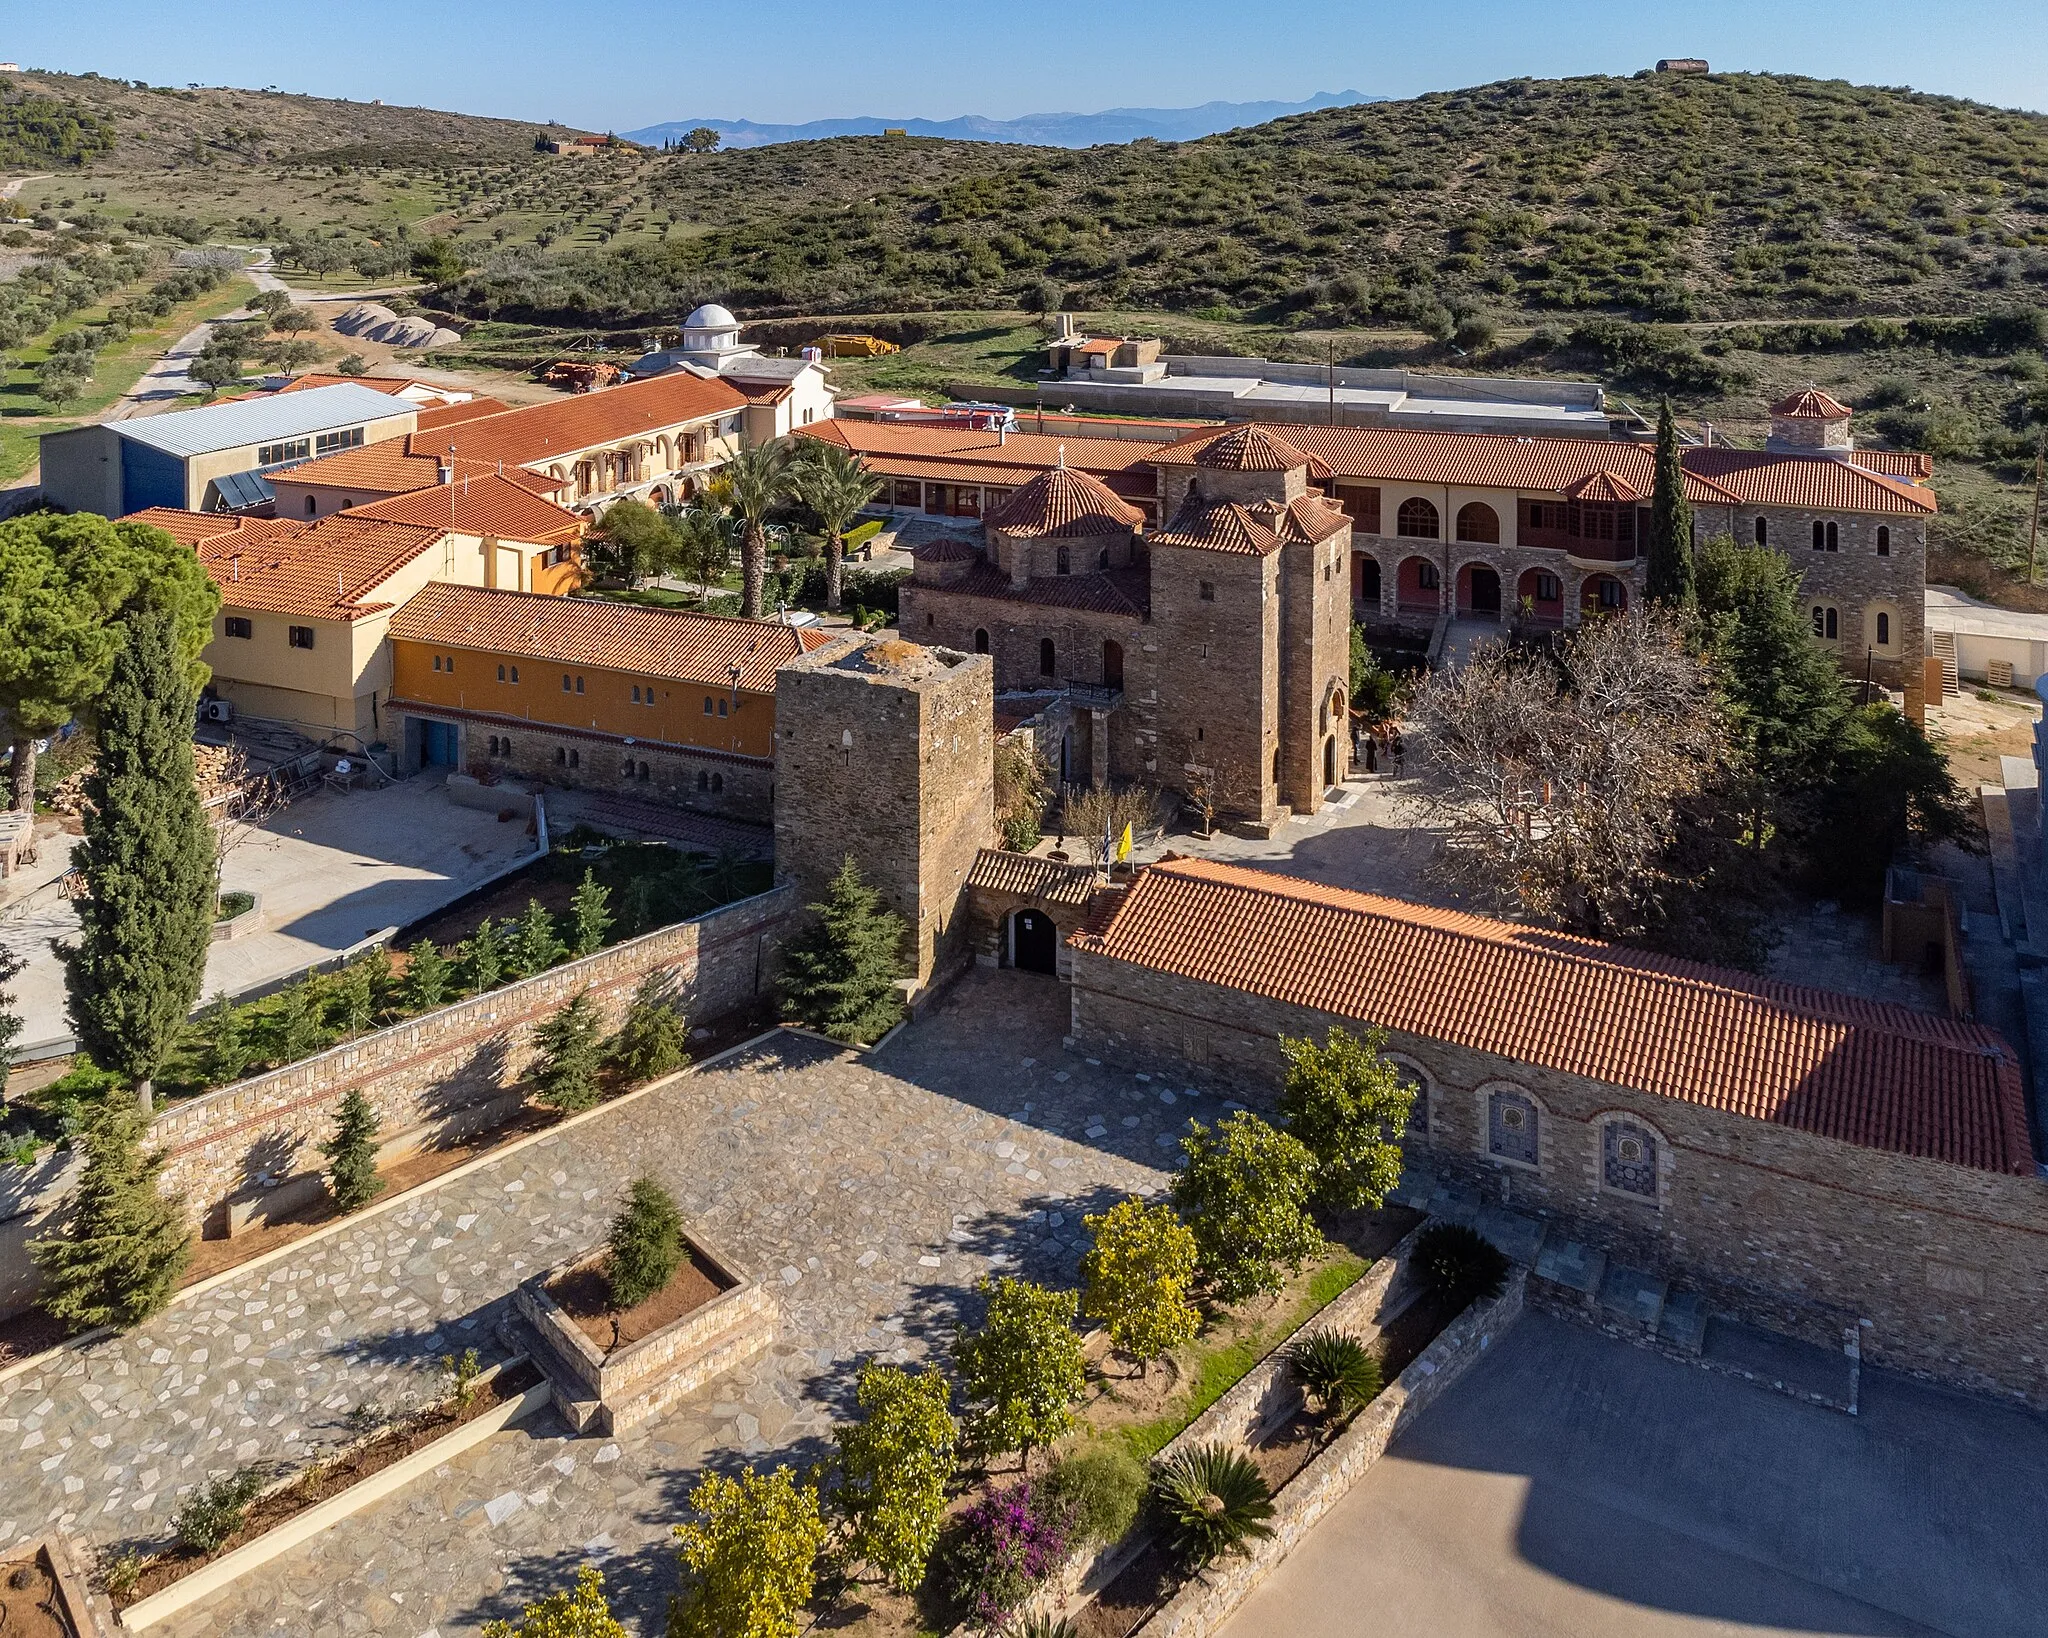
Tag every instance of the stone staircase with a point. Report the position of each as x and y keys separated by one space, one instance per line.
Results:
x=1631 y=1303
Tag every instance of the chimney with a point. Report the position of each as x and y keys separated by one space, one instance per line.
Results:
x=444 y=471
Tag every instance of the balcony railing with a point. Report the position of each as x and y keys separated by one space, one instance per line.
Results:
x=1094 y=696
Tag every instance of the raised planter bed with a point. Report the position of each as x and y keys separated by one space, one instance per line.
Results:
x=41 y=1595
x=301 y=1506
x=709 y=1318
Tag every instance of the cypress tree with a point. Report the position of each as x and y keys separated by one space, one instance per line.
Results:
x=590 y=916
x=571 y=1054
x=120 y=1257
x=147 y=916
x=1668 y=577
x=840 y=975
x=352 y=1153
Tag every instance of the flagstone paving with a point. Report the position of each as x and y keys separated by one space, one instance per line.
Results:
x=869 y=1194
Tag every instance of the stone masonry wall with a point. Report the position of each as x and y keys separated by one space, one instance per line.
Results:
x=428 y=1068
x=1799 y=1232
x=1219 y=672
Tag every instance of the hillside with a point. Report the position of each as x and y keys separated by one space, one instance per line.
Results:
x=1717 y=197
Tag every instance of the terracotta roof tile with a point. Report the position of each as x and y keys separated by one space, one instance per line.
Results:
x=1861 y=1072
x=1716 y=476
x=448 y=415
x=1025 y=452
x=396 y=466
x=1107 y=591
x=1604 y=486
x=328 y=570
x=946 y=549
x=1031 y=877
x=1221 y=526
x=673 y=643
x=544 y=432
x=1249 y=447
x=481 y=504
x=1066 y=502
x=1811 y=404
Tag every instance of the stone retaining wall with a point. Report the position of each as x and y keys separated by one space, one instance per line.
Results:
x=1210 y=1598
x=430 y=1068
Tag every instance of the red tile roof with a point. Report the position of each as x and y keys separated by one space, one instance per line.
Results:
x=540 y=433
x=1024 y=453
x=328 y=570
x=1245 y=448
x=1810 y=405
x=1029 y=876
x=1861 y=1072
x=1604 y=486
x=1066 y=502
x=1232 y=526
x=447 y=415
x=482 y=503
x=673 y=643
x=395 y=466
x=1717 y=476
x=1106 y=591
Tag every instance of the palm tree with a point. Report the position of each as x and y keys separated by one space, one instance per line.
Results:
x=834 y=483
x=758 y=479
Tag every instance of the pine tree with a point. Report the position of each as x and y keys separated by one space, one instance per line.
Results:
x=428 y=977
x=352 y=1153
x=535 y=946
x=590 y=917
x=1668 y=577
x=146 y=920
x=645 y=1246
x=483 y=958
x=228 y=1048
x=840 y=975
x=119 y=1258
x=653 y=1040
x=565 y=1074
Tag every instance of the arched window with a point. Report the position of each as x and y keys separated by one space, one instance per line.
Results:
x=1478 y=522
x=1884 y=540
x=1417 y=519
x=1511 y=1128
x=1048 y=660
x=1276 y=764
x=1884 y=629
x=703 y=780
x=717 y=783
x=1061 y=563
x=1365 y=579
x=643 y=773
x=1112 y=664
x=1826 y=536
x=1827 y=622
x=309 y=506
x=1418 y=1112
x=1102 y=558
x=1628 y=1158
x=980 y=640
x=1763 y=532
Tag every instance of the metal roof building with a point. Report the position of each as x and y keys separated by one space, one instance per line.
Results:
x=216 y=458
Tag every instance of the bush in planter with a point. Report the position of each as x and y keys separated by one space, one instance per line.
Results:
x=1105 y=1484
x=750 y=1561
x=216 y=1510
x=1458 y=1265
x=1336 y=1371
x=1007 y=1545
x=582 y=1613
x=645 y=1247
x=894 y=1465
x=653 y=1041
x=565 y=1076
x=1044 y=1626
x=1213 y=1501
x=352 y=1153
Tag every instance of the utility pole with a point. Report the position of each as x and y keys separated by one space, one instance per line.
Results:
x=2034 y=523
x=1330 y=367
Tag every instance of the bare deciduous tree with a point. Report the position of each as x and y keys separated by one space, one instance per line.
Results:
x=1095 y=817
x=1563 y=783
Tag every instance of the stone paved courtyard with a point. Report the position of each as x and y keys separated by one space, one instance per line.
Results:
x=870 y=1194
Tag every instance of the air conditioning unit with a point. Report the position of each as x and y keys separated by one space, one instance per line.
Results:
x=218 y=711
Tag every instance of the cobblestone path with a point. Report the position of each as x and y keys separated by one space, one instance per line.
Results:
x=870 y=1195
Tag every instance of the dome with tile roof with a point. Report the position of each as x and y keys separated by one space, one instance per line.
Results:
x=1250 y=448
x=1065 y=502
x=1810 y=421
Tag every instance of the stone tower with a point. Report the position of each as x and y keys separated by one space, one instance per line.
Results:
x=886 y=751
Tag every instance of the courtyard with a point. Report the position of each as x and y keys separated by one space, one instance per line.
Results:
x=870 y=1194
x=1575 y=1486
x=328 y=871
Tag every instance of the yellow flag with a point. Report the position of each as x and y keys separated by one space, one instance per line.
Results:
x=1123 y=846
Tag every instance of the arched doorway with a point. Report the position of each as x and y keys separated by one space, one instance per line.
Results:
x=1478 y=590
x=1330 y=760
x=1034 y=942
x=1365 y=579
x=1417 y=587
x=1112 y=665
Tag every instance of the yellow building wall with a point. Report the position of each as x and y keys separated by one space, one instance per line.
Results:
x=605 y=705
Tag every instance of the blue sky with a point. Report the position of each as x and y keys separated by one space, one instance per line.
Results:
x=627 y=63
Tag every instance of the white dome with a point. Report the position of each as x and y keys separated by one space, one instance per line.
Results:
x=711 y=317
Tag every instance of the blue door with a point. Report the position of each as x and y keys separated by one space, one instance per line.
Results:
x=440 y=748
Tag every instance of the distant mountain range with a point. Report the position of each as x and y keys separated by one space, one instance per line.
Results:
x=1043 y=130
